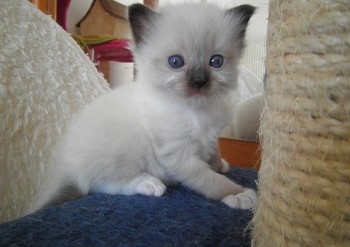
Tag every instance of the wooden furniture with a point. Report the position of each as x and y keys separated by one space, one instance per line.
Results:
x=108 y=17
x=241 y=153
x=48 y=7
x=105 y=17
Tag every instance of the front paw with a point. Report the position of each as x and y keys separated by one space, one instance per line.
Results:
x=243 y=200
x=150 y=186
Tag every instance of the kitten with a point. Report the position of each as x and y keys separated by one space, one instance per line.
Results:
x=163 y=128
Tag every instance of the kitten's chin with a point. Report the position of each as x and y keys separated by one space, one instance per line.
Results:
x=194 y=92
x=197 y=92
x=197 y=96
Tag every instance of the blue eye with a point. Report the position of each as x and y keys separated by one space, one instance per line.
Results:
x=176 y=61
x=216 y=61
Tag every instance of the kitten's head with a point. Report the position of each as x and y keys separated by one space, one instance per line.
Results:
x=189 y=51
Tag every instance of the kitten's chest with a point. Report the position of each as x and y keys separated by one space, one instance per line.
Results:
x=204 y=132
x=202 y=127
x=187 y=132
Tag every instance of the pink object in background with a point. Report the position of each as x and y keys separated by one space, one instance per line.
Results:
x=115 y=50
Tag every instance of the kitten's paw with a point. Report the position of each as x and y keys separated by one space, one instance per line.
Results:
x=244 y=200
x=225 y=167
x=150 y=186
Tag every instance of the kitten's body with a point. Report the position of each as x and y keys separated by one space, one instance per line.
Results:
x=163 y=128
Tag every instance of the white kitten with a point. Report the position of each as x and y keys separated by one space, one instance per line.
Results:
x=163 y=128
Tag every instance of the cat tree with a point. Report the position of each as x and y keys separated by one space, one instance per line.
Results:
x=304 y=194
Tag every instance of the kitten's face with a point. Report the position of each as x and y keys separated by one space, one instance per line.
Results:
x=189 y=51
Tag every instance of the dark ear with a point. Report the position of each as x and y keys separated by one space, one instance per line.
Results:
x=242 y=14
x=140 y=18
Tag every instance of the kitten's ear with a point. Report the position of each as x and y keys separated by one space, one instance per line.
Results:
x=242 y=14
x=140 y=19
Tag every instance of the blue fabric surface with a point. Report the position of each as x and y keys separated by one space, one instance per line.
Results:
x=180 y=217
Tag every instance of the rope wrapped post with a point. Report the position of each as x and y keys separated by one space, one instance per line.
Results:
x=304 y=190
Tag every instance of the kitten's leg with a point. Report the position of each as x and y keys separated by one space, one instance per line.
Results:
x=219 y=165
x=197 y=175
x=144 y=184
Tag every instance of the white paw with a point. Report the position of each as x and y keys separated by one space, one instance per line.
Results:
x=150 y=186
x=244 y=200
x=225 y=167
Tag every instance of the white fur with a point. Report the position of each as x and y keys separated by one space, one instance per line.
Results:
x=152 y=133
x=247 y=118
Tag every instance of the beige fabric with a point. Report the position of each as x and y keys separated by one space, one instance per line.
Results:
x=44 y=80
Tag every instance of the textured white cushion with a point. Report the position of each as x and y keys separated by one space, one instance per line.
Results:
x=45 y=78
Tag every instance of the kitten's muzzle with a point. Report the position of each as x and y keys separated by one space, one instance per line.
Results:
x=197 y=78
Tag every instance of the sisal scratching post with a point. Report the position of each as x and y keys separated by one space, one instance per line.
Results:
x=304 y=191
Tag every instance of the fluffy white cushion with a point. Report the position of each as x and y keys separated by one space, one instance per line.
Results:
x=45 y=78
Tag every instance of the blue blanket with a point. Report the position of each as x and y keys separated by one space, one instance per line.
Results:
x=180 y=217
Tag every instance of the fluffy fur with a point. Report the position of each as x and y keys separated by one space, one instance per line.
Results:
x=163 y=128
x=247 y=118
